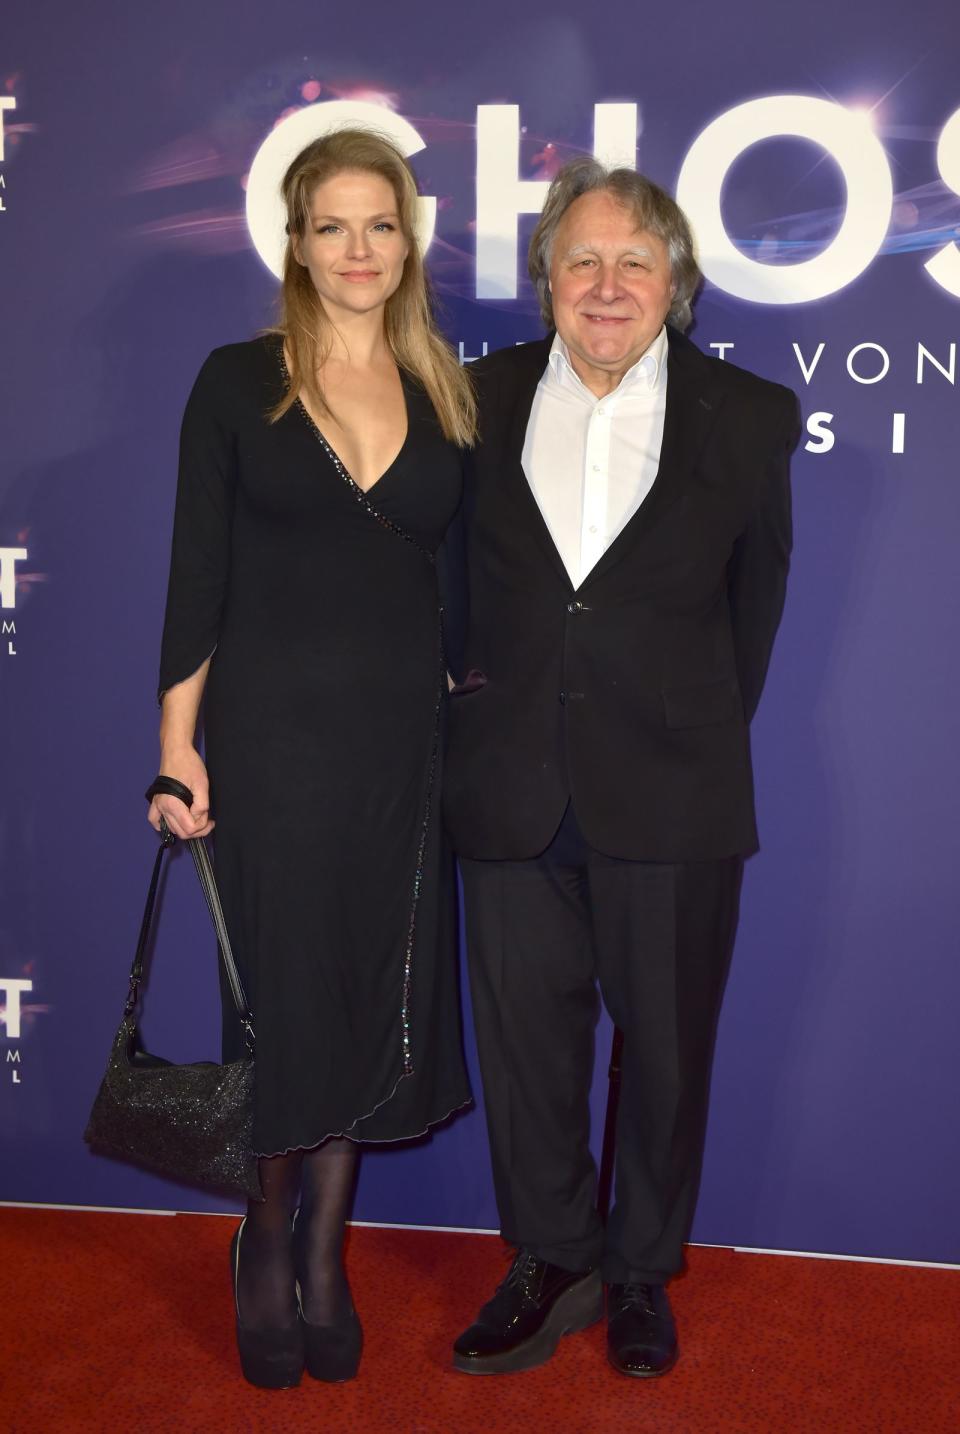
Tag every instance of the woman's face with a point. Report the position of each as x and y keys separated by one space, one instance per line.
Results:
x=353 y=247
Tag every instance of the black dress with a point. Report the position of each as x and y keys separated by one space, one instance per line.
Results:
x=322 y=717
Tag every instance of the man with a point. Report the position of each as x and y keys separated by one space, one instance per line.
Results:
x=629 y=532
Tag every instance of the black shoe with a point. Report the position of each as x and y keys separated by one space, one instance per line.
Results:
x=331 y=1351
x=269 y=1358
x=532 y=1309
x=641 y=1337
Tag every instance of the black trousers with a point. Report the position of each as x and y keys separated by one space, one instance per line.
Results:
x=541 y=934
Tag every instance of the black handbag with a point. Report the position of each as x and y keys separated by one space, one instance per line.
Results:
x=193 y=1123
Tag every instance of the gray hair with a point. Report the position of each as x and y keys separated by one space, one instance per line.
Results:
x=652 y=209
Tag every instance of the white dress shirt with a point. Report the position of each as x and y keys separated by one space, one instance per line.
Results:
x=590 y=461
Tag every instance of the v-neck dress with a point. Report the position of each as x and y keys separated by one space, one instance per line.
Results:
x=322 y=722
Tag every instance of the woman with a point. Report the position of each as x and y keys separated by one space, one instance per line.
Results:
x=319 y=471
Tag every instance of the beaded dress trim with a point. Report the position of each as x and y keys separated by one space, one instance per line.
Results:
x=363 y=499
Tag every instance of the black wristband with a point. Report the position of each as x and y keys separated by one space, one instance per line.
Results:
x=169 y=787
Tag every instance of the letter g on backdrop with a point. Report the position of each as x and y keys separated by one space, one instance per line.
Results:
x=266 y=216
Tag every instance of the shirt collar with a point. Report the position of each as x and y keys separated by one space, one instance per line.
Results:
x=646 y=372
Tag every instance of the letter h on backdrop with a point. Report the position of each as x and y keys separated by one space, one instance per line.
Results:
x=502 y=196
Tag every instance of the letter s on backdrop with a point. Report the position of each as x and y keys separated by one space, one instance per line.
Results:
x=945 y=264
x=822 y=438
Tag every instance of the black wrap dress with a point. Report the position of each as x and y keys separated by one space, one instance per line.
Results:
x=322 y=723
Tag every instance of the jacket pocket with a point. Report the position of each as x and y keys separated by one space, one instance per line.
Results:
x=704 y=705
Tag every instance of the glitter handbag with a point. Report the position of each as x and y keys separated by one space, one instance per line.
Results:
x=192 y=1123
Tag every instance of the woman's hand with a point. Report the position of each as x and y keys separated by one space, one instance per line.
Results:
x=185 y=764
x=180 y=759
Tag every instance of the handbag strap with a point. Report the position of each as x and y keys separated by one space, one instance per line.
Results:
x=168 y=786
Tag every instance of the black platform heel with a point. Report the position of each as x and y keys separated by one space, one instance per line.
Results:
x=269 y=1358
x=331 y=1351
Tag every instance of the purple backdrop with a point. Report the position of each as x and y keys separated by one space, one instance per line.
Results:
x=126 y=256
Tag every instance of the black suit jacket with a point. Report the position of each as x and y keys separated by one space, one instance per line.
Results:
x=632 y=695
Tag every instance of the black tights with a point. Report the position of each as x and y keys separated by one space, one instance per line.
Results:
x=321 y=1181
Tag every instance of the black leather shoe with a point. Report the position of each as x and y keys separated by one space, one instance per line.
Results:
x=532 y=1309
x=269 y=1358
x=641 y=1337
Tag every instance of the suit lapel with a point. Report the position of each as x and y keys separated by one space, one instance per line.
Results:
x=693 y=401
x=516 y=417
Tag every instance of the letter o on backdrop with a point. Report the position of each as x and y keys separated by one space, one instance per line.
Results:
x=845 y=135
x=266 y=215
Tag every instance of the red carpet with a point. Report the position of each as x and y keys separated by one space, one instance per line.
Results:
x=124 y=1323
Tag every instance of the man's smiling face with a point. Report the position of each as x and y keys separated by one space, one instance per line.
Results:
x=610 y=285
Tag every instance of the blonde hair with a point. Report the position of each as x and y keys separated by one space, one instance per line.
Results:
x=409 y=326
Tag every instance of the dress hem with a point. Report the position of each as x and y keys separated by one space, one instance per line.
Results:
x=369 y=1140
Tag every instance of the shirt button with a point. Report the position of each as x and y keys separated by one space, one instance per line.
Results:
x=592 y=528
x=601 y=411
x=596 y=467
